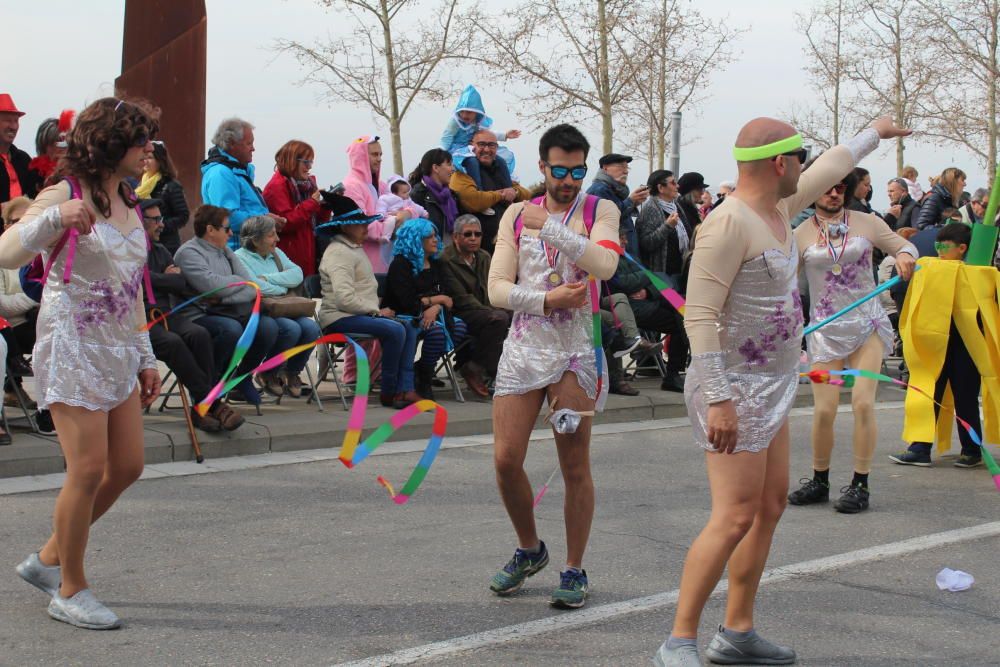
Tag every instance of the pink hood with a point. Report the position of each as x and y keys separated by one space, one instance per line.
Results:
x=359 y=177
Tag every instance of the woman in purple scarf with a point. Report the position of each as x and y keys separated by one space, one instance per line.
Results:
x=430 y=190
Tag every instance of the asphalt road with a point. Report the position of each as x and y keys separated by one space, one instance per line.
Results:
x=311 y=564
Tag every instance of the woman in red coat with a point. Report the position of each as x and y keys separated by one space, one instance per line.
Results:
x=292 y=193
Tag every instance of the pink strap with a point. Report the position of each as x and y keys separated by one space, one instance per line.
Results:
x=590 y=212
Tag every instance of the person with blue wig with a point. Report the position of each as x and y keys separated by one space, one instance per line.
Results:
x=415 y=289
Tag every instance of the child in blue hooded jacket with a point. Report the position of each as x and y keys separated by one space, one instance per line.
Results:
x=470 y=117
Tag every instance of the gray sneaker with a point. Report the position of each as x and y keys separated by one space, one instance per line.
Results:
x=43 y=577
x=84 y=611
x=682 y=656
x=724 y=650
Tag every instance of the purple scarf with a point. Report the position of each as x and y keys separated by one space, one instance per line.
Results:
x=442 y=195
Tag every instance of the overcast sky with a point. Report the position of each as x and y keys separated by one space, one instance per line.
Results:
x=64 y=53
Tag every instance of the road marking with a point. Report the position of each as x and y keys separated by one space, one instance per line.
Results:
x=592 y=615
x=33 y=483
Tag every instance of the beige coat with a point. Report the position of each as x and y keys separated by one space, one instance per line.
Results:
x=347 y=281
x=14 y=303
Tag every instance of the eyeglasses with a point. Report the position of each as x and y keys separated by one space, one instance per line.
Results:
x=839 y=188
x=944 y=246
x=304 y=161
x=228 y=229
x=801 y=153
x=559 y=172
x=483 y=145
x=471 y=235
x=158 y=219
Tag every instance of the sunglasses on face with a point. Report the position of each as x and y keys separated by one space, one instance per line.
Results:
x=225 y=228
x=559 y=172
x=839 y=188
x=483 y=145
x=944 y=246
x=471 y=235
x=306 y=162
x=801 y=154
x=141 y=140
x=158 y=219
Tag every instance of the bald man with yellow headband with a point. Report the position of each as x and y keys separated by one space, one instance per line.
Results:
x=744 y=321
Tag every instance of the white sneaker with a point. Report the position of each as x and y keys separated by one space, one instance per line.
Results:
x=84 y=611
x=45 y=578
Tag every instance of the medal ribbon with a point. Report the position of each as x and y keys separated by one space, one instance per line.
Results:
x=552 y=254
x=827 y=239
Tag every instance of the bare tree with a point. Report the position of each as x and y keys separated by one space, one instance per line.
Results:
x=575 y=58
x=827 y=62
x=390 y=61
x=962 y=36
x=683 y=49
x=889 y=65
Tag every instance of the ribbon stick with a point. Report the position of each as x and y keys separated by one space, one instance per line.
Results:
x=545 y=487
x=868 y=297
x=672 y=296
x=595 y=309
x=831 y=377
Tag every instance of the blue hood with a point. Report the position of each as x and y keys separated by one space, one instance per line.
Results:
x=471 y=100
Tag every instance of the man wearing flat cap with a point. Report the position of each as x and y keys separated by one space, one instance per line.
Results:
x=610 y=184
x=690 y=187
x=15 y=177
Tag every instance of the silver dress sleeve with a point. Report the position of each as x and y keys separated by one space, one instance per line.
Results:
x=526 y=300
x=146 y=357
x=562 y=237
x=40 y=233
x=711 y=368
x=863 y=143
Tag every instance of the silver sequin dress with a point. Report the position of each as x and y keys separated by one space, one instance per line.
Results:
x=828 y=293
x=540 y=348
x=761 y=332
x=88 y=351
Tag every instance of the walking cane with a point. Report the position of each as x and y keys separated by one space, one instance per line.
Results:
x=156 y=312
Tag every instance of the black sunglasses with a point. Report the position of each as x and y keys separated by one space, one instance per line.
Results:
x=559 y=172
x=153 y=218
x=802 y=154
x=472 y=235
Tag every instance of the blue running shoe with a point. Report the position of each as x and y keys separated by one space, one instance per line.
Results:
x=519 y=568
x=572 y=591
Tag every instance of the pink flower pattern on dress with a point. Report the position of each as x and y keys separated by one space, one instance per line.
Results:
x=785 y=326
x=107 y=303
x=851 y=278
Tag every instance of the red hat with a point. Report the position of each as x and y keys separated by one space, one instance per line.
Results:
x=7 y=105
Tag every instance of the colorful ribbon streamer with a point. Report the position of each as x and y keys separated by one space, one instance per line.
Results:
x=545 y=487
x=672 y=296
x=848 y=376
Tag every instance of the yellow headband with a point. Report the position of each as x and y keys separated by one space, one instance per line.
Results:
x=779 y=147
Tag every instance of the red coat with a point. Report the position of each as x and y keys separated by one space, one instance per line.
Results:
x=297 y=238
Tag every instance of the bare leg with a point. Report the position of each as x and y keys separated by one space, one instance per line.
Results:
x=83 y=437
x=124 y=463
x=574 y=460
x=868 y=357
x=746 y=565
x=826 y=399
x=513 y=419
x=737 y=483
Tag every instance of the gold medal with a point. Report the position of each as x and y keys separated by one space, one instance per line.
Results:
x=836 y=269
x=555 y=278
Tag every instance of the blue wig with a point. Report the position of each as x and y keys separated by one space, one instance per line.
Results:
x=409 y=243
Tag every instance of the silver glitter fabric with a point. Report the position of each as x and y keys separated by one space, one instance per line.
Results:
x=540 y=348
x=760 y=331
x=829 y=292
x=88 y=351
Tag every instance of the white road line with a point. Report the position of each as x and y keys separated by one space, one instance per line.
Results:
x=592 y=615
x=33 y=483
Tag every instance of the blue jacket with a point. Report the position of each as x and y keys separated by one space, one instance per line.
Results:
x=227 y=183
x=627 y=208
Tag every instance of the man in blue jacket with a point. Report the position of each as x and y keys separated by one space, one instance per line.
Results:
x=227 y=176
x=610 y=184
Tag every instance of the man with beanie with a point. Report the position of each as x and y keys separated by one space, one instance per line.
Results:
x=610 y=183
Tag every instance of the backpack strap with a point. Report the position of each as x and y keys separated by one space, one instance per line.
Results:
x=519 y=224
x=590 y=212
x=67 y=240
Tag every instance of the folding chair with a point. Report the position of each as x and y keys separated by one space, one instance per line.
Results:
x=642 y=362
x=447 y=360
x=23 y=401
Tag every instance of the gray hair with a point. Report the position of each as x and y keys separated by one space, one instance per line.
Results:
x=463 y=221
x=730 y=185
x=980 y=193
x=901 y=183
x=254 y=229
x=48 y=134
x=230 y=131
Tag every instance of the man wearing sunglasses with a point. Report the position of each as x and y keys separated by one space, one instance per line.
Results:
x=467 y=270
x=744 y=323
x=488 y=198
x=540 y=271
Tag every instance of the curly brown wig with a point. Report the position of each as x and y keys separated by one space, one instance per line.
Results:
x=103 y=133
